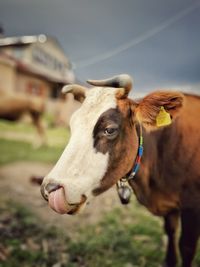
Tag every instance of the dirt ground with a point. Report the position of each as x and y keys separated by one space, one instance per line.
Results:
x=15 y=184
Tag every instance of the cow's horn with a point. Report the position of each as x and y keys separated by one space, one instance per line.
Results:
x=77 y=90
x=119 y=81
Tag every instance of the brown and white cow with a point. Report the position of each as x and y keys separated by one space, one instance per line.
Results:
x=103 y=148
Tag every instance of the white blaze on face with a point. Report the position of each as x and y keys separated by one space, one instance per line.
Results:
x=80 y=167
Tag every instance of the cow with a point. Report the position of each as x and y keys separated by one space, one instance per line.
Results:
x=14 y=105
x=151 y=144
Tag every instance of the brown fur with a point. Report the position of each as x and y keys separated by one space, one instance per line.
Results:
x=169 y=178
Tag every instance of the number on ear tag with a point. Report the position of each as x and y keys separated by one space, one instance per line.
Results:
x=163 y=118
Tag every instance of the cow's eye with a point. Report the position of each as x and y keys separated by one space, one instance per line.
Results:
x=111 y=131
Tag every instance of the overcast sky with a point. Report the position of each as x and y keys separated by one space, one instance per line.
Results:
x=156 y=41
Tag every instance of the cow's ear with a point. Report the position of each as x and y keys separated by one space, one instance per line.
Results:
x=159 y=109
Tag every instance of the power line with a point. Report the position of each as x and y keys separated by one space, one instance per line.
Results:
x=137 y=40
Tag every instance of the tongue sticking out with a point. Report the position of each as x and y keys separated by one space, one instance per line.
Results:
x=58 y=202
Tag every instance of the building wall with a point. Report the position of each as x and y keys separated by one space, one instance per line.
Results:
x=30 y=84
x=7 y=75
x=48 y=59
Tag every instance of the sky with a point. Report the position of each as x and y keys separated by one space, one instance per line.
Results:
x=157 y=42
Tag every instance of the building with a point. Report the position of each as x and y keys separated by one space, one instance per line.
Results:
x=34 y=64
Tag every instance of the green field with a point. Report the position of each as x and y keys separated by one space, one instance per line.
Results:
x=128 y=237
x=14 y=148
x=118 y=240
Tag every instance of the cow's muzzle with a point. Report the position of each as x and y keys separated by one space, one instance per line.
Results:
x=56 y=197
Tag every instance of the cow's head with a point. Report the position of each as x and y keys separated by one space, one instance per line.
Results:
x=104 y=140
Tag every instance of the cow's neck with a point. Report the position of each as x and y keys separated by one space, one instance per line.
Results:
x=150 y=179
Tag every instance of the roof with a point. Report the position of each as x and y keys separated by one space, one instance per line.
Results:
x=25 y=67
x=22 y=40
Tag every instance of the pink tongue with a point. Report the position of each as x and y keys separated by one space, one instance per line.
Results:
x=57 y=201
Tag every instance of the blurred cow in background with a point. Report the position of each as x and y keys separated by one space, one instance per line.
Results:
x=14 y=105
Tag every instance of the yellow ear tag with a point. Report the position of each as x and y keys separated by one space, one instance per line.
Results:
x=163 y=118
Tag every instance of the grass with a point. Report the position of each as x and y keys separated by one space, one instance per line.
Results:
x=57 y=136
x=124 y=238
x=113 y=242
x=17 y=127
x=24 y=242
x=12 y=151
x=19 y=150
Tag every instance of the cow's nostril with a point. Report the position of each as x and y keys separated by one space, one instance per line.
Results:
x=42 y=190
x=46 y=189
x=52 y=187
